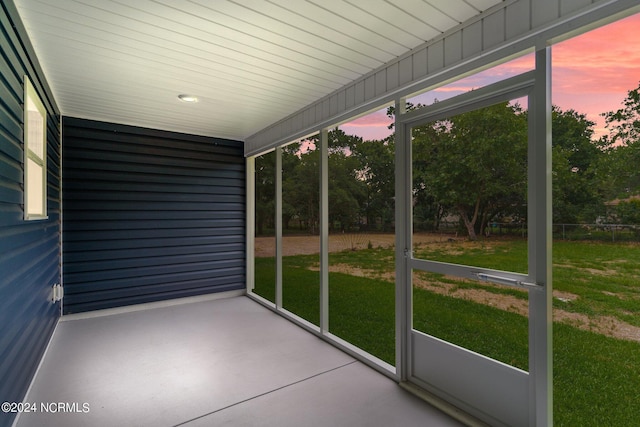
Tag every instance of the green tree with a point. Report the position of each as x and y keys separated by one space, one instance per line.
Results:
x=619 y=172
x=624 y=123
x=347 y=187
x=429 y=208
x=628 y=211
x=575 y=156
x=376 y=171
x=474 y=164
x=307 y=190
x=265 y=173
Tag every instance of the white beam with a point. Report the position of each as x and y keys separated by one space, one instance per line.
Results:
x=540 y=245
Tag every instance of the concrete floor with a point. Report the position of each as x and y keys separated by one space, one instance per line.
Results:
x=226 y=362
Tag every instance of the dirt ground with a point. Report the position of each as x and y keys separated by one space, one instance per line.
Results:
x=303 y=245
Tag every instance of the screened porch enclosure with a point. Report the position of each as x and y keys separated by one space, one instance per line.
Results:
x=214 y=238
x=489 y=389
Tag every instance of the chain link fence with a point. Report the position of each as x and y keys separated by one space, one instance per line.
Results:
x=584 y=232
x=597 y=232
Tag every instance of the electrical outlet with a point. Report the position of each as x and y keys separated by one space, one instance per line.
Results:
x=57 y=292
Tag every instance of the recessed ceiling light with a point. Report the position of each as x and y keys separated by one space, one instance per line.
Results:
x=187 y=98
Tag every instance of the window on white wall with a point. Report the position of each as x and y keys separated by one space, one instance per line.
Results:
x=35 y=154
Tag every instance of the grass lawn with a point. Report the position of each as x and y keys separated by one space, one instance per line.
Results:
x=596 y=377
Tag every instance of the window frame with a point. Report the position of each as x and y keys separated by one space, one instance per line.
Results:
x=31 y=101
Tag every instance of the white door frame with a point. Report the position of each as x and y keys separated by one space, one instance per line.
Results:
x=448 y=371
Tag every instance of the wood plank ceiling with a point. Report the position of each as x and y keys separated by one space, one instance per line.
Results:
x=250 y=62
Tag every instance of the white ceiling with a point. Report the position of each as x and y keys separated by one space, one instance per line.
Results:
x=250 y=62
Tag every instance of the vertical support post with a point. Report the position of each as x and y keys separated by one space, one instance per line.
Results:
x=250 y=215
x=403 y=224
x=540 y=244
x=324 y=231
x=278 y=222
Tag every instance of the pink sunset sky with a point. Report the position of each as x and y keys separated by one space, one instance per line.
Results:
x=591 y=74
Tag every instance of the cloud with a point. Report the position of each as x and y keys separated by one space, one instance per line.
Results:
x=591 y=74
x=372 y=126
x=378 y=118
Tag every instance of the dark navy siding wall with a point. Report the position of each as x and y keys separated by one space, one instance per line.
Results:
x=149 y=215
x=29 y=250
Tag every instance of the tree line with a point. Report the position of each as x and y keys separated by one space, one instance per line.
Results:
x=470 y=168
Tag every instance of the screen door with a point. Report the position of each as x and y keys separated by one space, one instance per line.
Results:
x=475 y=282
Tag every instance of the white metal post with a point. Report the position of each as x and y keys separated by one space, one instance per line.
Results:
x=250 y=186
x=324 y=231
x=278 y=222
x=403 y=224
x=540 y=244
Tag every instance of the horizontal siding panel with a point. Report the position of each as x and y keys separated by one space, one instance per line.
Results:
x=151 y=150
x=136 y=192
x=120 y=288
x=112 y=177
x=32 y=319
x=149 y=243
x=125 y=159
x=53 y=171
x=152 y=142
x=30 y=263
x=171 y=196
x=40 y=269
x=168 y=185
x=149 y=215
x=136 y=187
x=35 y=335
x=11 y=143
x=10 y=214
x=151 y=261
x=10 y=192
x=54 y=209
x=73 y=216
x=141 y=234
x=200 y=288
x=15 y=240
x=9 y=77
x=90 y=165
x=118 y=254
x=113 y=270
x=13 y=243
x=11 y=106
x=136 y=292
x=11 y=42
x=78 y=125
x=40 y=298
x=21 y=56
x=11 y=132
x=115 y=205
x=154 y=225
